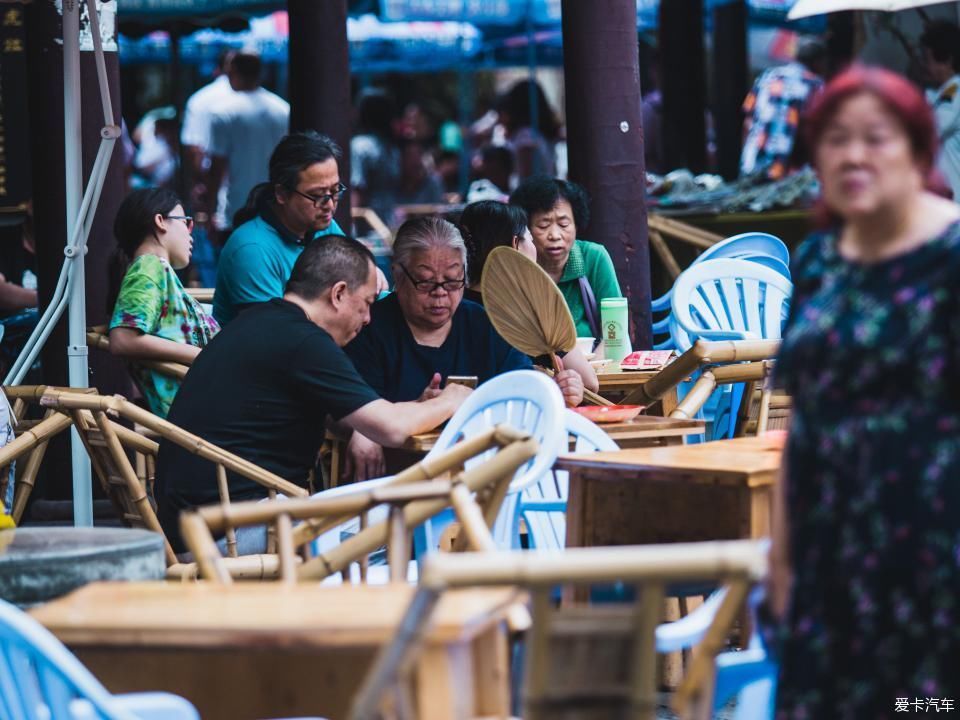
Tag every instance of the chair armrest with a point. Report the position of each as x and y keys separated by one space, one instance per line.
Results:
x=662 y=303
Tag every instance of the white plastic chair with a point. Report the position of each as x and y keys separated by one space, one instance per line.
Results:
x=41 y=680
x=526 y=400
x=758 y=247
x=727 y=299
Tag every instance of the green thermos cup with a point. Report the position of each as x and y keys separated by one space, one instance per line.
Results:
x=615 y=327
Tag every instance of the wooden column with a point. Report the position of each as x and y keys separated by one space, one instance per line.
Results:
x=319 y=87
x=684 y=84
x=45 y=99
x=730 y=83
x=605 y=141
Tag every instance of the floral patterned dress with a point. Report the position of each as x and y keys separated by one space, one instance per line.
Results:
x=153 y=301
x=871 y=357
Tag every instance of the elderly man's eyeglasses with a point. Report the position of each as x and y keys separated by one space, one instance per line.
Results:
x=429 y=286
x=319 y=200
x=187 y=220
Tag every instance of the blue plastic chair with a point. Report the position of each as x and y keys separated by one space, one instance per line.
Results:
x=749 y=674
x=41 y=680
x=758 y=247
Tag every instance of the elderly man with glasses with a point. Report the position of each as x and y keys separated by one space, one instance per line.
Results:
x=425 y=333
x=281 y=217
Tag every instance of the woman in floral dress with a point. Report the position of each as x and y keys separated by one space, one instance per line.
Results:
x=865 y=565
x=154 y=318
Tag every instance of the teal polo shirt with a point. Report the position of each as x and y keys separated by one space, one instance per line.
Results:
x=256 y=263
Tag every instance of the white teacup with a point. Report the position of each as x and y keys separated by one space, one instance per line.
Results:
x=585 y=344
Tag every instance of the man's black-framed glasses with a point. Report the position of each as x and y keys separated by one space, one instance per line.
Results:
x=430 y=286
x=187 y=220
x=319 y=200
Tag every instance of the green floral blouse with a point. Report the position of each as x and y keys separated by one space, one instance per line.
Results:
x=153 y=301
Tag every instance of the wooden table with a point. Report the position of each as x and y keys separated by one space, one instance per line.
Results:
x=615 y=385
x=264 y=650
x=682 y=493
x=641 y=431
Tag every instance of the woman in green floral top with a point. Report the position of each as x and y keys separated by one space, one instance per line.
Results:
x=153 y=316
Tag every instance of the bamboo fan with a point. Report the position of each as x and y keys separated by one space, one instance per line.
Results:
x=525 y=305
x=527 y=308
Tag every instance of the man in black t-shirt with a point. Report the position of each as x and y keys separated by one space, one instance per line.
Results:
x=264 y=386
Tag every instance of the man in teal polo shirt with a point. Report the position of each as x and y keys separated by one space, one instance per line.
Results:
x=281 y=217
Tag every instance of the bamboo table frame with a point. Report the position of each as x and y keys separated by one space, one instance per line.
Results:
x=686 y=493
x=256 y=650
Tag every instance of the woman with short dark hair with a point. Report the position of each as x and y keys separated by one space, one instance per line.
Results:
x=557 y=211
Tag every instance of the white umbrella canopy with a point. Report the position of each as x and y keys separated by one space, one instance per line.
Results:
x=806 y=8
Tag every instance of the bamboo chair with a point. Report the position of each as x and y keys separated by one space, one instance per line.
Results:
x=412 y=497
x=702 y=354
x=105 y=442
x=31 y=441
x=761 y=409
x=586 y=661
x=99 y=338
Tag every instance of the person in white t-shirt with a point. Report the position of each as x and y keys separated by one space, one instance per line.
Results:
x=195 y=141
x=941 y=57
x=244 y=129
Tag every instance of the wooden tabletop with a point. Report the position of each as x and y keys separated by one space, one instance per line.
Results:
x=640 y=427
x=623 y=379
x=751 y=460
x=259 y=614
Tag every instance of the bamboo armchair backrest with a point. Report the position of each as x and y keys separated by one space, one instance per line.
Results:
x=106 y=443
x=412 y=497
x=702 y=354
x=585 y=661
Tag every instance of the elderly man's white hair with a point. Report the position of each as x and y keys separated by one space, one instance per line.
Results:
x=427 y=233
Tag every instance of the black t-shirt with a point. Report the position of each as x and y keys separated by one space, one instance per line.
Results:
x=261 y=389
x=389 y=358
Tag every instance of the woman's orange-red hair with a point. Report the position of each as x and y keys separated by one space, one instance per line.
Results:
x=901 y=97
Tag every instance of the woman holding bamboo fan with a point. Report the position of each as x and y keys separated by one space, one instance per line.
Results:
x=154 y=318
x=425 y=332
x=865 y=561
x=489 y=224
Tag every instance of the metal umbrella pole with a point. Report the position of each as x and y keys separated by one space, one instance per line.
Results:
x=81 y=206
